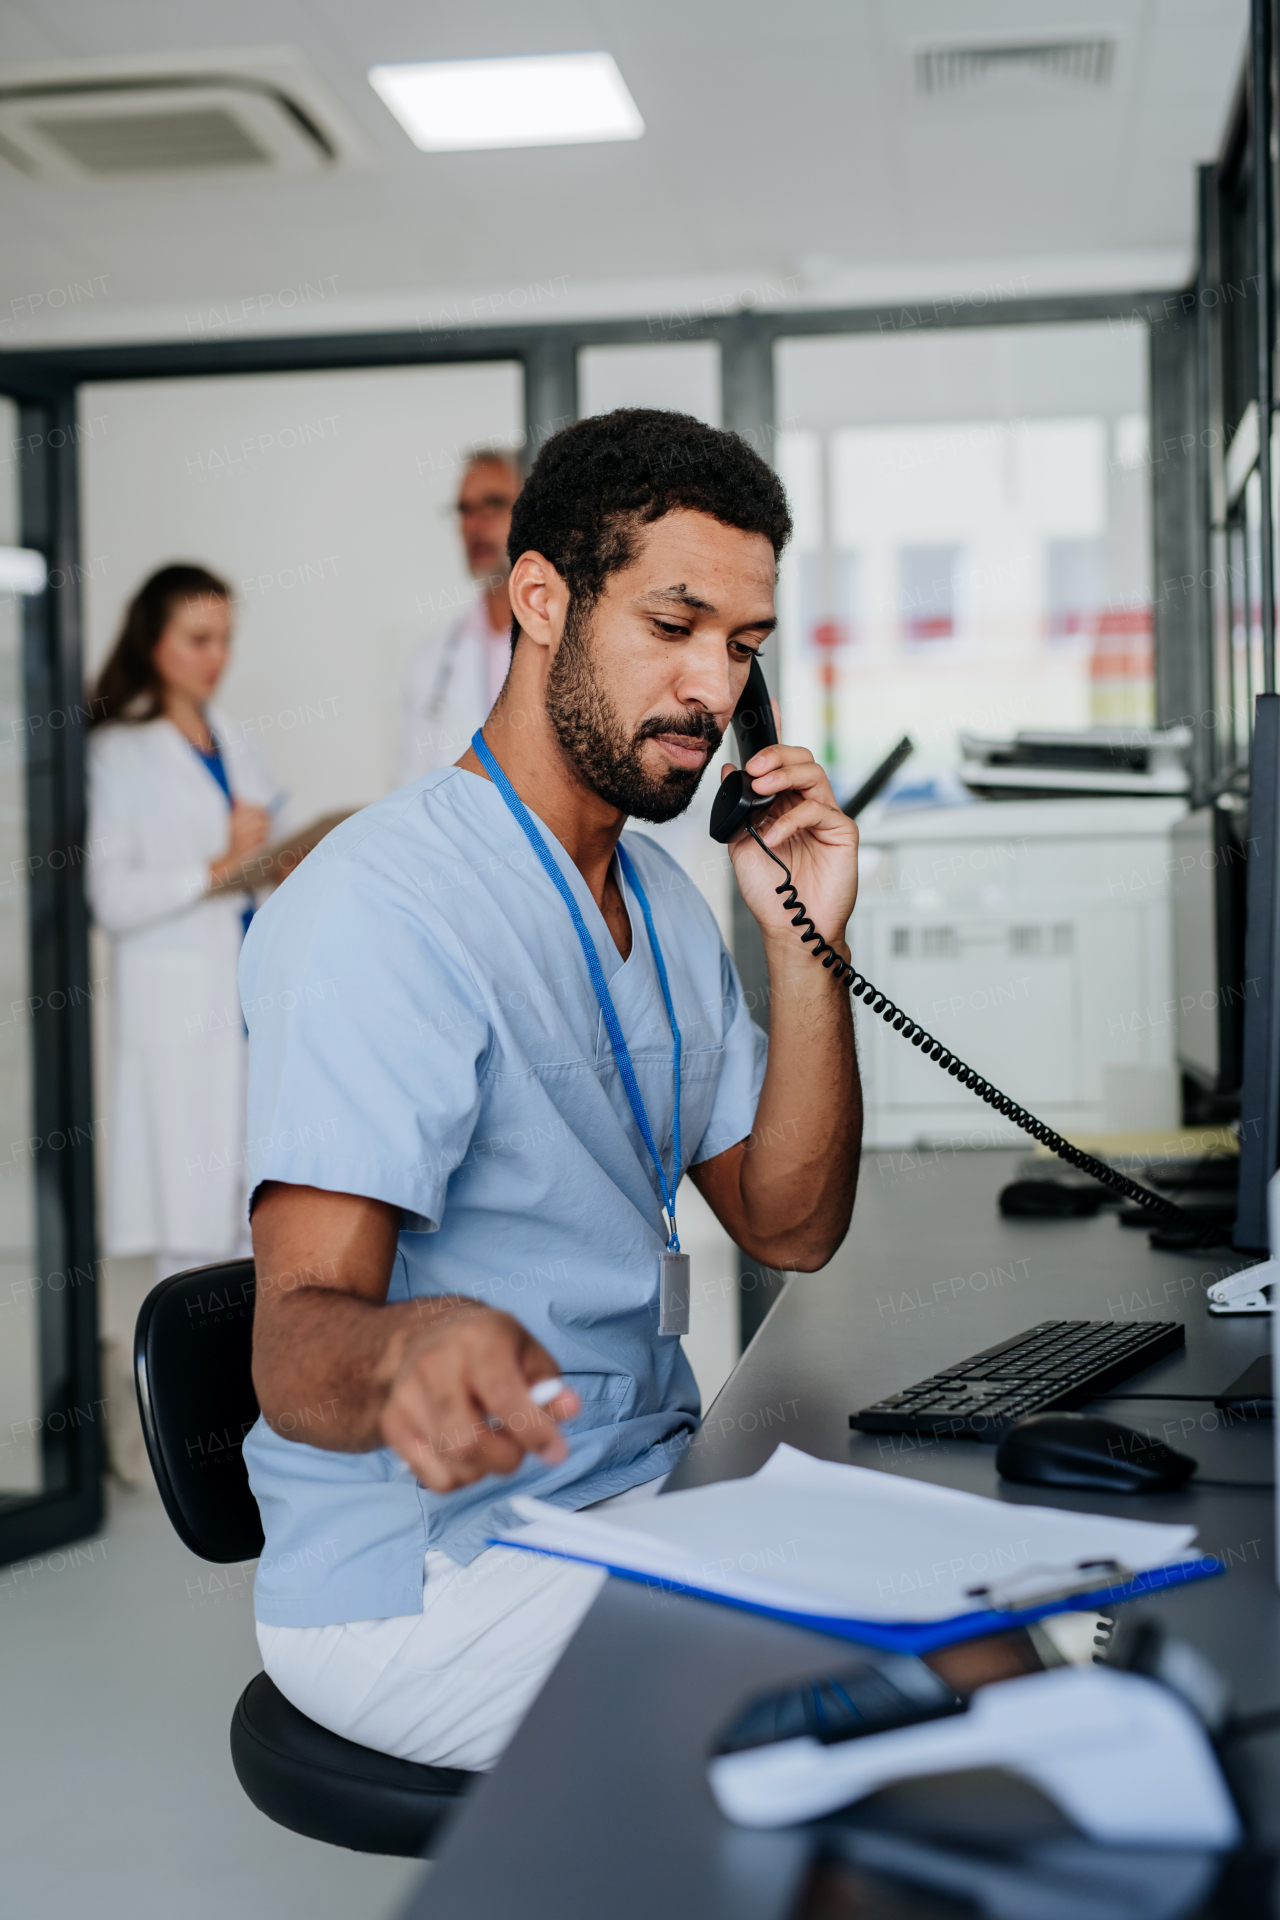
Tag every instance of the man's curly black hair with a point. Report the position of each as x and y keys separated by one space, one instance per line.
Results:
x=597 y=483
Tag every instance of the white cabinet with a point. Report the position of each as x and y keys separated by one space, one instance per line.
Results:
x=1035 y=940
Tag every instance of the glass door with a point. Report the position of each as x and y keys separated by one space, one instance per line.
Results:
x=51 y=1423
x=22 y=577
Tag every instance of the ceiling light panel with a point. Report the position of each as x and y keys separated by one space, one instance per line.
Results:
x=21 y=570
x=546 y=100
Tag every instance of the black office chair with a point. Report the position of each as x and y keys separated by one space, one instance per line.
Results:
x=191 y=1359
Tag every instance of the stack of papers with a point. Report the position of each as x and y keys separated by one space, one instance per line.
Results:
x=870 y=1556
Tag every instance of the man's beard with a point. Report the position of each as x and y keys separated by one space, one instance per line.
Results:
x=598 y=747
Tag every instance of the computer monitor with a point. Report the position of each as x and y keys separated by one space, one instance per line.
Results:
x=1260 y=1079
x=1209 y=870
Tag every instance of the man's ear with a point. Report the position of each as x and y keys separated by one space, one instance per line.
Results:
x=539 y=599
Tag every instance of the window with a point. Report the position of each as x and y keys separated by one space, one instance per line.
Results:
x=1076 y=586
x=928 y=592
x=972 y=533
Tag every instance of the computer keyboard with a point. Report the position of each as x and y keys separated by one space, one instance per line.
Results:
x=1060 y=1363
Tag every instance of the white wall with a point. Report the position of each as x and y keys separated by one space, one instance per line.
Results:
x=322 y=498
x=976 y=373
x=683 y=375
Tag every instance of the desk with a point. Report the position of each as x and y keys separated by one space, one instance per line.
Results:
x=600 y=1806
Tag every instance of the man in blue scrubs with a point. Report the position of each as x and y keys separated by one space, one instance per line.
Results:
x=489 y=1031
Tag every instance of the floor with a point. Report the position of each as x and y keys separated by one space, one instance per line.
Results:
x=122 y=1659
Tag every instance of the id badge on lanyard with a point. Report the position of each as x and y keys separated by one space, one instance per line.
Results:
x=673 y=1266
x=673 y=1292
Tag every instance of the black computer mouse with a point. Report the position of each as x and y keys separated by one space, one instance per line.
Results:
x=1050 y=1199
x=1083 y=1450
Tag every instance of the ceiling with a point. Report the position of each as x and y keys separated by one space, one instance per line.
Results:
x=790 y=157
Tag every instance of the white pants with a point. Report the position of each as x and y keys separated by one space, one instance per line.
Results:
x=448 y=1686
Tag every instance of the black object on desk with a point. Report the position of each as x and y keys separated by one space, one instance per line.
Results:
x=877 y=781
x=1058 y=1365
x=986 y=1844
x=1253 y=1389
x=1051 y=1200
x=1084 y=1451
x=897 y=1690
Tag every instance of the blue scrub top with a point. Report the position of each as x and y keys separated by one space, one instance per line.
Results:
x=423 y=1030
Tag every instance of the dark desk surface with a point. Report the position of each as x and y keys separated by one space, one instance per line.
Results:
x=600 y=1805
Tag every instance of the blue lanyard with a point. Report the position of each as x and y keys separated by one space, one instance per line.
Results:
x=214 y=764
x=598 y=981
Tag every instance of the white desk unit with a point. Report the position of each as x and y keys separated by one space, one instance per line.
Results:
x=1034 y=938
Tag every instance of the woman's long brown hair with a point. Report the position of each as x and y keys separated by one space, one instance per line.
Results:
x=129 y=688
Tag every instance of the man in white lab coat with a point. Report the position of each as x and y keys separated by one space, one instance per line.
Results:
x=456 y=675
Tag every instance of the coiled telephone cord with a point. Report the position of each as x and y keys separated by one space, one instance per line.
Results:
x=862 y=989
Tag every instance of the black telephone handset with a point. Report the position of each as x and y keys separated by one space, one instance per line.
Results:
x=737 y=802
x=735 y=810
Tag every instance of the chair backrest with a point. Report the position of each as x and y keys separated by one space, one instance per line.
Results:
x=191 y=1362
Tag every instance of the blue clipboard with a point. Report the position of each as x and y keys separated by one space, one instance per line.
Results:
x=921 y=1636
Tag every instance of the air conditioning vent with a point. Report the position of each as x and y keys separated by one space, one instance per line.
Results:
x=112 y=143
x=247 y=112
x=944 y=70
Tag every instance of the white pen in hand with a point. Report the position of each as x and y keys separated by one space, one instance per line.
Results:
x=542 y=1393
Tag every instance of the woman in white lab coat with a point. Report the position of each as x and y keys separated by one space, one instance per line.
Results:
x=178 y=798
